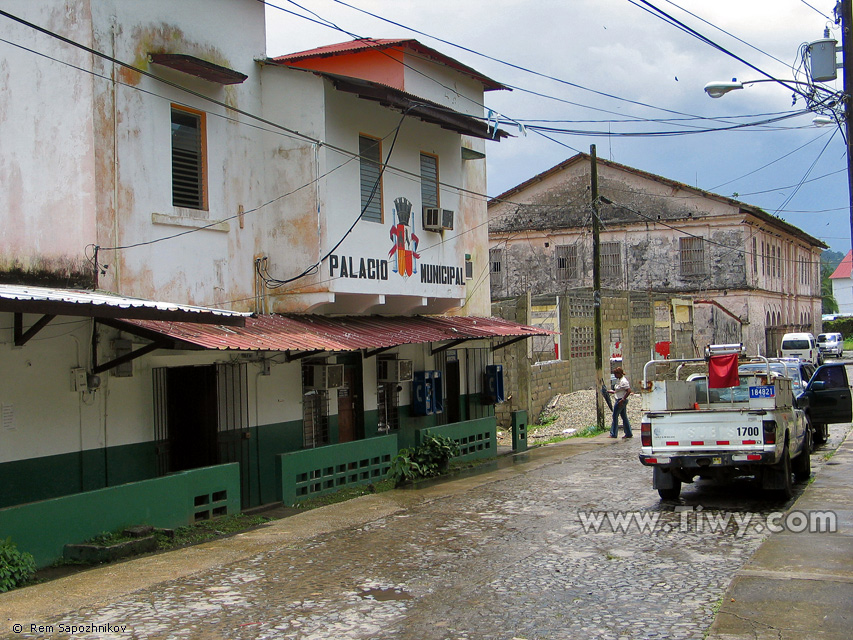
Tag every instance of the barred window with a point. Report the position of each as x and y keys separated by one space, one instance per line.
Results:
x=567 y=262
x=611 y=259
x=692 y=253
x=496 y=267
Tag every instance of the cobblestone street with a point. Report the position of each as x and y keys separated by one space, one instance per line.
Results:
x=508 y=559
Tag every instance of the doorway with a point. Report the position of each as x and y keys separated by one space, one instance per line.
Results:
x=202 y=419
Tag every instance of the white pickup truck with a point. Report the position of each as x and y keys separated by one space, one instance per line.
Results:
x=690 y=430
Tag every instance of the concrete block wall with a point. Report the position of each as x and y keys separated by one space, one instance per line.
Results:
x=530 y=385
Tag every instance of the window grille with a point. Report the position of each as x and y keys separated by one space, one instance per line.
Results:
x=371 y=178
x=567 y=262
x=429 y=180
x=611 y=259
x=692 y=254
x=188 y=188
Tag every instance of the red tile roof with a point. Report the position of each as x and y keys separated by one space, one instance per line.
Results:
x=364 y=44
x=346 y=333
x=844 y=269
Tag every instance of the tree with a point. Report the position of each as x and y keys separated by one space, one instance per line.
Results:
x=829 y=261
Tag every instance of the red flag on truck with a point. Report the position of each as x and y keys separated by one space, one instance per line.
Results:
x=722 y=371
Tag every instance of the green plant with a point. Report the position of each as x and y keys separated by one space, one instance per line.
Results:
x=16 y=567
x=108 y=538
x=429 y=459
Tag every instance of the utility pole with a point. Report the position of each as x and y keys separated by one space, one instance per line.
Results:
x=844 y=8
x=596 y=290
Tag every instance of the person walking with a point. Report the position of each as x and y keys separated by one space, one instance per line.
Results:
x=620 y=408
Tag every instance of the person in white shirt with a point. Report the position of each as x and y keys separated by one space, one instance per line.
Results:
x=620 y=408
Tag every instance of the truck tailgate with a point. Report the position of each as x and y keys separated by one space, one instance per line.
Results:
x=694 y=430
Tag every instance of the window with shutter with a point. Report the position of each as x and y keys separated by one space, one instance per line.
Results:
x=371 y=178
x=188 y=159
x=429 y=180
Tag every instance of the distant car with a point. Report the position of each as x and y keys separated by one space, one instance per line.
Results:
x=831 y=344
x=802 y=346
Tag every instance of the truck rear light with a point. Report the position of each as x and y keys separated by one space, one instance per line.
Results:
x=753 y=456
x=646 y=434
x=769 y=431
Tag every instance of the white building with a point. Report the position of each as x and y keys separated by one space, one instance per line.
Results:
x=178 y=163
x=842 y=285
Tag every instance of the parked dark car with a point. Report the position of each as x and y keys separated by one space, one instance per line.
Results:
x=827 y=398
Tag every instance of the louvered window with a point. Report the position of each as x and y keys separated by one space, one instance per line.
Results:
x=371 y=178
x=188 y=185
x=429 y=180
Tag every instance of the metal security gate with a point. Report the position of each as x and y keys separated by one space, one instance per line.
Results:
x=201 y=418
x=232 y=429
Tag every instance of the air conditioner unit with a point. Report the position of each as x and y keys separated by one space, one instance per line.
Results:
x=324 y=376
x=394 y=370
x=436 y=219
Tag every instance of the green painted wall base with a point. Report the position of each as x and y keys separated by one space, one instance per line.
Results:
x=315 y=472
x=476 y=438
x=44 y=528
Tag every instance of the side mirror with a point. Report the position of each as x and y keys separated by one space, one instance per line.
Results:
x=817 y=385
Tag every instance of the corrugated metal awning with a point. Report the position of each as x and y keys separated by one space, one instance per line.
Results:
x=98 y=304
x=342 y=333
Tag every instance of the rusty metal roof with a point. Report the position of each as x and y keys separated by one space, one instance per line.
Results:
x=342 y=333
x=101 y=304
x=364 y=44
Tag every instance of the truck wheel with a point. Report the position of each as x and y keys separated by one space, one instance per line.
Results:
x=783 y=467
x=672 y=493
x=821 y=433
x=803 y=463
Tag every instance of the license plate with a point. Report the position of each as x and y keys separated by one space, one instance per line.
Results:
x=764 y=391
x=716 y=461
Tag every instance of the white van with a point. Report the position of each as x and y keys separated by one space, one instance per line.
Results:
x=802 y=346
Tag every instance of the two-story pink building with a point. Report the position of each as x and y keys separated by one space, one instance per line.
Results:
x=169 y=192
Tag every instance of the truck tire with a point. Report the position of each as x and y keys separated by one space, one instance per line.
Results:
x=671 y=493
x=668 y=486
x=783 y=468
x=802 y=465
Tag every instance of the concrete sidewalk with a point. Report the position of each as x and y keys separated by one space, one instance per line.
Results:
x=799 y=586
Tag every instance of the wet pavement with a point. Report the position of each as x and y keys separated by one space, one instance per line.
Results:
x=564 y=541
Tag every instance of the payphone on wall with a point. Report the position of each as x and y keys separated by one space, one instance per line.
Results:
x=427 y=393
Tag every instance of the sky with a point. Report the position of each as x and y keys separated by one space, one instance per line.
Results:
x=605 y=68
